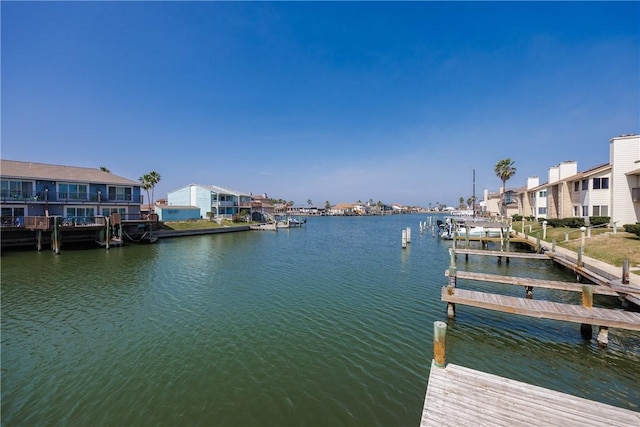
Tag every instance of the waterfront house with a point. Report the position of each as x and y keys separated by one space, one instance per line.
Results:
x=72 y=192
x=342 y=209
x=220 y=201
x=610 y=189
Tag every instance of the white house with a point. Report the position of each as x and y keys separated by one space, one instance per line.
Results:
x=222 y=202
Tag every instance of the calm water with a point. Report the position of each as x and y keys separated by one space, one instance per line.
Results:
x=329 y=325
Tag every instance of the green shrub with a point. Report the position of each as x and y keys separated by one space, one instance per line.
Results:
x=516 y=217
x=633 y=228
x=599 y=220
x=575 y=222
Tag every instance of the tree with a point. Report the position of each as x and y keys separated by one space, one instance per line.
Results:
x=327 y=206
x=461 y=202
x=309 y=202
x=504 y=170
x=148 y=182
x=105 y=169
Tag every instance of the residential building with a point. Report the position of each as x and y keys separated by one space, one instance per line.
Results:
x=40 y=189
x=490 y=205
x=551 y=199
x=624 y=153
x=589 y=192
x=611 y=189
x=221 y=202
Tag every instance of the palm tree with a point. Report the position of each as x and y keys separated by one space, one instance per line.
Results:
x=105 y=169
x=309 y=202
x=504 y=170
x=148 y=182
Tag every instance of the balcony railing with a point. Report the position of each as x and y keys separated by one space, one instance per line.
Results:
x=65 y=197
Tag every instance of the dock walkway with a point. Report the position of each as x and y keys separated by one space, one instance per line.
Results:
x=459 y=396
x=544 y=309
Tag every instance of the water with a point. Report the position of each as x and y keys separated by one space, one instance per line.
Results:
x=328 y=325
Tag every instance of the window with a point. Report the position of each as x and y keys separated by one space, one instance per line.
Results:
x=585 y=211
x=576 y=186
x=600 y=183
x=585 y=184
x=109 y=211
x=122 y=194
x=601 y=211
x=81 y=215
x=16 y=190
x=542 y=211
x=71 y=191
x=543 y=193
x=576 y=211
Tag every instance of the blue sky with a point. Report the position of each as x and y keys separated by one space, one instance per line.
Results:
x=337 y=101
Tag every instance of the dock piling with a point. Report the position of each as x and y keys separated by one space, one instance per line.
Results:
x=439 y=344
x=404 y=239
x=625 y=272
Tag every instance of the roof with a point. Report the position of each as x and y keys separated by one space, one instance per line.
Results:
x=217 y=189
x=43 y=171
x=633 y=172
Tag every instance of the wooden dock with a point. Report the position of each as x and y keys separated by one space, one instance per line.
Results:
x=543 y=309
x=534 y=283
x=459 y=396
x=505 y=254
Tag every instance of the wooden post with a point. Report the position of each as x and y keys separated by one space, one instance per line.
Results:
x=466 y=237
x=39 y=240
x=107 y=233
x=544 y=230
x=625 y=272
x=603 y=337
x=408 y=234
x=553 y=246
x=538 y=243
x=587 y=296
x=589 y=232
x=404 y=239
x=615 y=227
x=55 y=241
x=582 y=230
x=506 y=248
x=566 y=236
x=528 y=291
x=587 y=301
x=580 y=257
x=451 y=308
x=440 y=344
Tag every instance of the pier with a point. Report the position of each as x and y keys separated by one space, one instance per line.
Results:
x=586 y=315
x=459 y=396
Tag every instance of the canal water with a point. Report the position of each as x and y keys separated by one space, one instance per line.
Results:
x=328 y=325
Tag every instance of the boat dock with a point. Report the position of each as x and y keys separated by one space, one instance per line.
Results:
x=459 y=396
x=585 y=314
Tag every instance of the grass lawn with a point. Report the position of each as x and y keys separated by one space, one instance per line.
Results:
x=602 y=245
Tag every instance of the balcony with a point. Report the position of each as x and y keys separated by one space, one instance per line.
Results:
x=43 y=197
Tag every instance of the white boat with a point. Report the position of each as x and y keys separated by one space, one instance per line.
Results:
x=461 y=227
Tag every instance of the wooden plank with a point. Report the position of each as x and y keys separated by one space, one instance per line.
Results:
x=507 y=254
x=459 y=396
x=527 y=281
x=545 y=309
